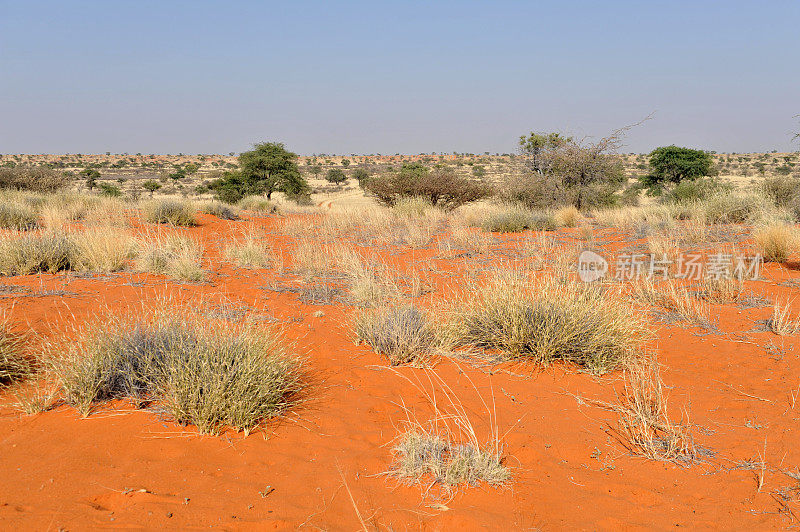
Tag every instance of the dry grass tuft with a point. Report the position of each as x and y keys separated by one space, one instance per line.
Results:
x=776 y=241
x=547 y=321
x=171 y=254
x=404 y=334
x=172 y=212
x=645 y=426
x=782 y=322
x=447 y=448
x=675 y=299
x=17 y=217
x=568 y=216
x=23 y=254
x=257 y=204
x=251 y=250
x=14 y=365
x=212 y=374
x=722 y=290
x=101 y=250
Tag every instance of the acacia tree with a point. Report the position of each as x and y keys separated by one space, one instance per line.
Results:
x=672 y=164
x=562 y=171
x=267 y=168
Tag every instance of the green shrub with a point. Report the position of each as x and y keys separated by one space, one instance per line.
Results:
x=202 y=372
x=441 y=187
x=107 y=189
x=736 y=207
x=336 y=175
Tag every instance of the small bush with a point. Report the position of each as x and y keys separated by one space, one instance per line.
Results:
x=107 y=189
x=548 y=321
x=695 y=190
x=735 y=207
x=412 y=206
x=32 y=253
x=402 y=334
x=170 y=212
x=441 y=187
x=202 y=372
x=776 y=242
x=336 y=175
x=783 y=190
x=34 y=179
x=17 y=217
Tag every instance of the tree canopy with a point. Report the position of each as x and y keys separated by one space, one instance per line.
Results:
x=267 y=168
x=669 y=165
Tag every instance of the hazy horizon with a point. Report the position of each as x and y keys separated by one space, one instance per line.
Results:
x=358 y=77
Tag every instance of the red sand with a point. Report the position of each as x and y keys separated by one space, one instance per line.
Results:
x=123 y=468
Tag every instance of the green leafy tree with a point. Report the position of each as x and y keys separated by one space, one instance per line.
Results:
x=91 y=176
x=151 y=186
x=267 y=168
x=336 y=175
x=669 y=165
x=360 y=175
x=534 y=145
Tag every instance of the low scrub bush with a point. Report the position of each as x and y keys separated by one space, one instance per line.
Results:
x=208 y=373
x=547 y=321
x=735 y=208
x=440 y=186
x=783 y=190
x=170 y=212
x=17 y=217
x=101 y=250
x=402 y=333
x=32 y=178
x=512 y=219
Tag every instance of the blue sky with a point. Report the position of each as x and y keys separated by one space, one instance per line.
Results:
x=385 y=77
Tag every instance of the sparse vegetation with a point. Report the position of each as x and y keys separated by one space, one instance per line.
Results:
x=170 y=212
x=207 y=373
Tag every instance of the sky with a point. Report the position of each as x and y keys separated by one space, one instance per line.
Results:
x=395 y=77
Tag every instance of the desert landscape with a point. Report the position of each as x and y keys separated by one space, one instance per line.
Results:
x=338 y=361
x=389 y=266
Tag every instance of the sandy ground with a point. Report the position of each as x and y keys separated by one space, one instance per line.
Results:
x=128 y=468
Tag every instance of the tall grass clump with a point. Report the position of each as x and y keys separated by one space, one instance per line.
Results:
x=776 y=241
x=403 y=334
x=547 y=321
x=17 y=217
x=219 y=209
x=257 y=204
x=29 y=253
x=736 y=208
x=101 y=250
x=514 y=218
x=170 y=212
x=14 y=366
x=208 y=373
x=171 y=254
x=250 y=251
